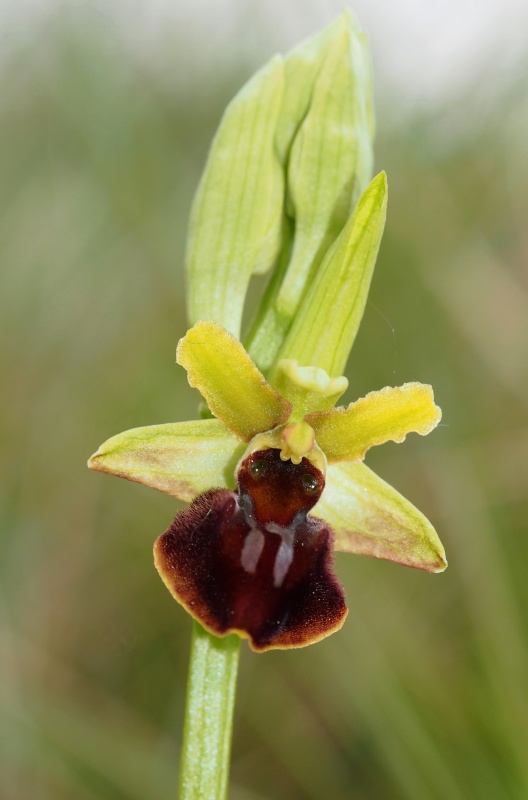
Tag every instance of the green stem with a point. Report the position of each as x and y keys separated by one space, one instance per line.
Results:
x=213 y=665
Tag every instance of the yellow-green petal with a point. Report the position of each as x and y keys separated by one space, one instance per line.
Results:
x=345 y=434
x=234 y=389
x=328 y=318
x=182 y=459
x=236 y=220
x=369 y=517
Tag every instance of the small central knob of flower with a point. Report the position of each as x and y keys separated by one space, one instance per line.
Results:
x=298 y=440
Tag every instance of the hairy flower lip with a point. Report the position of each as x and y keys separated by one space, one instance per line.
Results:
x=243 y=562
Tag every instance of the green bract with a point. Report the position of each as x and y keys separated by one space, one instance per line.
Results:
x=235 y=228
x=290 y=159
x=325 y=327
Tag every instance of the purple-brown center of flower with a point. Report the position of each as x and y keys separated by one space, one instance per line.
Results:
x=253 y=561
x=277 y=492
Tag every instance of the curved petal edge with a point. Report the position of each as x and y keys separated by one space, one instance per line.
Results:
x=345 y=434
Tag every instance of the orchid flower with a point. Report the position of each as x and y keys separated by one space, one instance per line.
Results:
x=276 y=482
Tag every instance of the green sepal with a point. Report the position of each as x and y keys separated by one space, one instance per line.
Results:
x=182 y=459
x=371 y=518
x=328 y=319
x=236 y=220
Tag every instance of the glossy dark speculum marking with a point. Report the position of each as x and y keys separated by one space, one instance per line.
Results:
x=253 y=560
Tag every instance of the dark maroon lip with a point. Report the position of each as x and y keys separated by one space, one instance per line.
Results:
x=254 y=561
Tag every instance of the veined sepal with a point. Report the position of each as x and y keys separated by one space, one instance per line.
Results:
x=182 y=459
x=369 y=517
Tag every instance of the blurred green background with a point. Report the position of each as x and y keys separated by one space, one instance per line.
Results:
x=424 y=693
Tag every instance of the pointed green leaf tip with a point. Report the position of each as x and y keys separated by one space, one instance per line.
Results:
x=330 y=160
x=327 y=322
x=291 y=156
